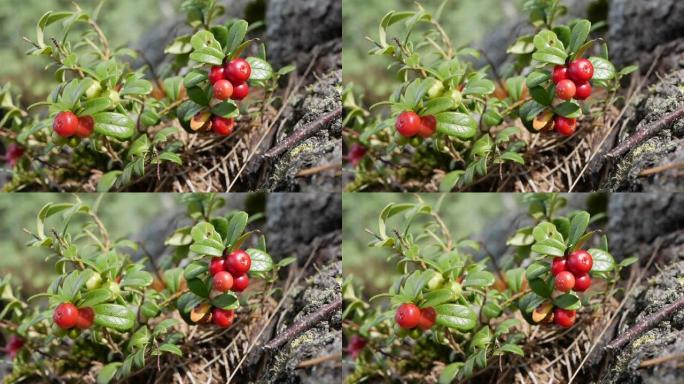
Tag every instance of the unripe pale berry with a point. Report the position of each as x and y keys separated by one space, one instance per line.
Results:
x=65 y=124
x=240 y=283
x=582 y=283
x=565 y=281
x=222 y=317
x=566 y=89
x=558 y=265
x=428 y=316
x=583 y=91
x=223 y=281
x=86 y=316
x=238 y=71
x=65 y=315
x=223 y=90
x=565 y=126
x=407 y=316
x=581 y=70
x=564 y=317
x=579 y=262
x=408 y=124
x=238 y=263
x=240 y=91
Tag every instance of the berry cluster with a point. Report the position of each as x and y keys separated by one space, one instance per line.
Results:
x=571 y=273
x=67 y=124
x=572 y=82
x=67 y=316
x=409 y=124
x=229 y=82
x=409 y=316
x=229 y=273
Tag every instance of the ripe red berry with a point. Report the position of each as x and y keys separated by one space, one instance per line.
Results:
x=86 y=316
x=565 y=281
x=565 y=126
x=566 y=89
x=583 y=91
x=356 y=345
x=581 y=70
x=216 y=265
x=14 y=345
x=223 y=90
x=238 y=71
x=222 y=126
x=223 y=281
x=558 y=265
x=238 y=263
x=407 y=316
x=65 y=315
x=427 y=318
x=560 y=73
x=240 y=91
x=428 y=126
x=408 y=124
x=85 y=127
x=216 y=74
x=356 y=154
x=222 y=317
x=582 y=283
x=14 y=153
x=240 y=283
x=65 y=124
x=564 y=317
x=580 y=262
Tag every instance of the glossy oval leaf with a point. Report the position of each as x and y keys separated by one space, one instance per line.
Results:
x=114 y=316
x=114 y=125
x=456 y=316
x=456 y=124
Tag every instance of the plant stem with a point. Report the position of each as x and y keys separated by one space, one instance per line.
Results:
x=304 y=324
x=303 y=134
x=646 y=133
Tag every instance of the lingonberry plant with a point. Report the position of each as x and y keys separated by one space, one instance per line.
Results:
x=107 y=312
x=449 y=122
x=461 y=309
x=108 y=118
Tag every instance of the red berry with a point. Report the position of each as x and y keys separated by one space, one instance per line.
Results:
x=86 y=316
x=14 y=345
x=14 y=153
x=65 y=124
x=238 y=262
x=428 y=126
x=65 y=315
x=222 y=126
x=564 y=317
x=566 y=89
x=216 y=74
x=356 y=154
x=223 y=90
x=85 y=126
x=581 y=70
x=580 y=262
x=240 y=91
x=356 y=345
x=582 y=283
x=216 y=265
x=583 y=91
x=427 y=318
x=240 y=283
x=560 y=73
x=222 y=317
x=223 y=281
x=558 y=265
x=565 y=126
x=408 y=124
x=565 y=281
x=238 y=71
x=407 y=316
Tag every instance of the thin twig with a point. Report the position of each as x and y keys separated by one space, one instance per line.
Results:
x=303 y=134
x=319 y=360
x=662 y=168
x=646 y=133
x=304 y=324
x=645 y=325
x=660 y=360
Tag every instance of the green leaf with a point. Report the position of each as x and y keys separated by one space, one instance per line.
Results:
x=536 y=269
x=137 y=279
x=107 y=373
x=172 y=88
x=628 y=261
x=179 y=46
x=450 y=372
x=171 y=157
x=93 y=106
x=236 y=225
x=137 y=87
x=603 y=261
x=171 y=348
x=226 y=301
x=139 y=147
x=236 y=34
x=456 y=124
x=164 y=326
x=482 y=338
x=194 y=269
x=505 y=326
x=73 y=282
x=569 y=109
x=261 y=69
x=512 y=348
x=95 y=296
x=140 y=338
x=198 y=287
x=456 y=316
x=450 y=181
x=580 y=32
x=437 y=105
x=603 y=69
x=206 y=48
x=578 y=225
x=514 y=157
x=261 y=261
x=479 y=87
x=114 y=316
x=437 y=297
x=193 y=78
x=227 y=109
x=172 y=279
x=114 y=125
x=567 y=301
x=479 y=279
x=514 y=278
x=550 y=247
x=537 y=78
x=541 y=287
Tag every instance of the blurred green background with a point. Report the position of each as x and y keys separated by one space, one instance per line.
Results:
x=122 y=213
x=123 y=21
x=465 y=214
x=465 y=21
